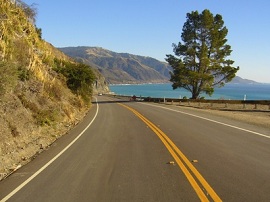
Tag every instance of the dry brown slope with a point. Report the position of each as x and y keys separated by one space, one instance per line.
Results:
x=36 y=107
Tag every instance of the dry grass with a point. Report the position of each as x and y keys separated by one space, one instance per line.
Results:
x=250 y=113
x=35 y=104
x=228 y=107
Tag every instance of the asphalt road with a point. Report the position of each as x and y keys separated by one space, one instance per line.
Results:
x=148 y=152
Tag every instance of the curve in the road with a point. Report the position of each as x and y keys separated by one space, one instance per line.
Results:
x=181 y=160
x=224 y=124
x=51 y=161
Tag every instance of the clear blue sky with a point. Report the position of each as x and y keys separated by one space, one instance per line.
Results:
x=149 y=27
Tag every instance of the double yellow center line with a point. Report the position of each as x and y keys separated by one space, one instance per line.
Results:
x=185 y=165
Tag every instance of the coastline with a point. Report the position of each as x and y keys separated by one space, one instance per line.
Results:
x=228 y=92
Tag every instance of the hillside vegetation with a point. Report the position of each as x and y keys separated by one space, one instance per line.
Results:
x=120 y=68
x=42 y=91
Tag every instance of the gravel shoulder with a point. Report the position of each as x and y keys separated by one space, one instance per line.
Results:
x=255 y=115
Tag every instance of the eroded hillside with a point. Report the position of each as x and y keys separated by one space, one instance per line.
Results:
x=38 y=101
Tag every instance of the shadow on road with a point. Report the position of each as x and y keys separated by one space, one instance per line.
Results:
x=111 y=102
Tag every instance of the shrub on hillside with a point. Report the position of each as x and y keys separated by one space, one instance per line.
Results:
x=8 y=77
x=46 y=117
x=79 y=77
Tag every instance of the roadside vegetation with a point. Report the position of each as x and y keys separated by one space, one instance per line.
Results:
x=43 y=93
x=79 y=77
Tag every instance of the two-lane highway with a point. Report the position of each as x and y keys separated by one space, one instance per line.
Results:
x=121 y=157
x=234 y=160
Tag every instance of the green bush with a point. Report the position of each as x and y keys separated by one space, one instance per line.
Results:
x=79 y=77
x=23 y=74
x=46 y=117
x=8 y=77
x=185 y=98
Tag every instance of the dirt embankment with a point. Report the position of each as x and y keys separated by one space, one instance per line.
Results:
x=38 y=102
x=26 y=129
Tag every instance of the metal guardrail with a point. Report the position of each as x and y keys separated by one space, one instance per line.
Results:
x=260 y=105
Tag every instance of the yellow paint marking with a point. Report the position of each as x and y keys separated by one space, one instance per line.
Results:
x=180 y=159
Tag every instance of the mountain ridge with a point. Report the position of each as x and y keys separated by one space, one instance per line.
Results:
x=240 y=80
x=125 y=68
x=121 y=67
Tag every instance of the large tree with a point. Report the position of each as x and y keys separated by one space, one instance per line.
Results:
x=200 y=62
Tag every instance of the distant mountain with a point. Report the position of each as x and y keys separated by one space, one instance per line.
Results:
x=121 y=67
x=240 y=80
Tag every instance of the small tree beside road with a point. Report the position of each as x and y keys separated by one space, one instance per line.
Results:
x=200 y=62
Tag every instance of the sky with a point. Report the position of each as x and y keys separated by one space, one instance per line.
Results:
x=150 y=27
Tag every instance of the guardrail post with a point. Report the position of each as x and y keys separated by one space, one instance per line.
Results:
x=179 y=102
x=256 y=106
x=172 y=102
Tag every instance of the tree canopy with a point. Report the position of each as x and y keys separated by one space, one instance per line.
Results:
x=200 y=60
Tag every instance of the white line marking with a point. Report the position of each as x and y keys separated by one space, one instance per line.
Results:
x=50 y=162
x=200 y=117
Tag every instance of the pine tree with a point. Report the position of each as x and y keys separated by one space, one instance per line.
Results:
x=200 y=62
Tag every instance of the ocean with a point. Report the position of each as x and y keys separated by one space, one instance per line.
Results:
x=228 y=92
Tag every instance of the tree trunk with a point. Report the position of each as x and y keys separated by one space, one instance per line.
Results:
x=195 y=95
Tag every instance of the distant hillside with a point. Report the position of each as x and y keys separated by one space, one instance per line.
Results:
x=121 y=67
x=240 y=80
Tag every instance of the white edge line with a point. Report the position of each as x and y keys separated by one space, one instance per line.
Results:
x=50 y=162
x=256 y=133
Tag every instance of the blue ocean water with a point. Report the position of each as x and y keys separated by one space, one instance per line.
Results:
x=228 y=92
